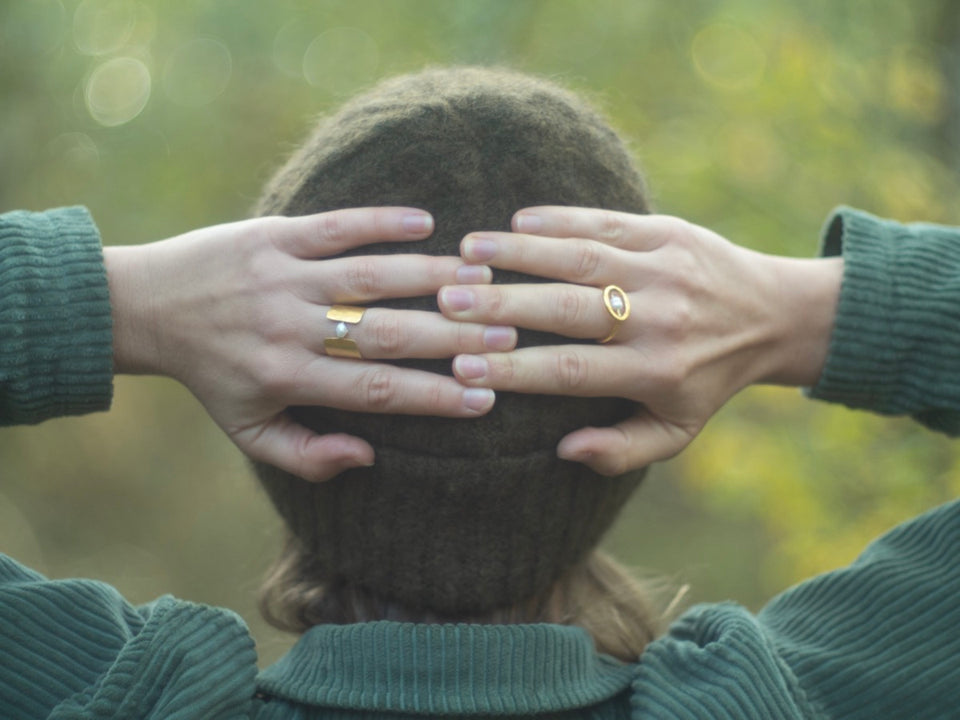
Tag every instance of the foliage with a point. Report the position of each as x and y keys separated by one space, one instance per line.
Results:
x=751 y=117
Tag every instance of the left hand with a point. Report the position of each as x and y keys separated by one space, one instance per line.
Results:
x=708 y=318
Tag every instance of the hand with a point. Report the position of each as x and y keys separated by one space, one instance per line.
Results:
x=708 y=318
x=237 y=313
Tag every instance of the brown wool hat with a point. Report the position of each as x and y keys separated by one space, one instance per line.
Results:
x=457 y=517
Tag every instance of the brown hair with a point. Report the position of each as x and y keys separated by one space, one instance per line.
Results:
x=621 y=613
x=458 y=520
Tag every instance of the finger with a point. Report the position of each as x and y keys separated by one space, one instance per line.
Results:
x=576 y=260
x=634 y=443
x=372 y=387
x=289 y=446
x=617 y=229
x=330 y=233
x=570 y=310
x=374 y=277
x=392 y=334
x=578 y=370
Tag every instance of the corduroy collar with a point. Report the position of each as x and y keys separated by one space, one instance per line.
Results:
x=446 y=669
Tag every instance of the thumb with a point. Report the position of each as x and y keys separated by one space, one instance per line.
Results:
x=290 y=446
x=634 y=443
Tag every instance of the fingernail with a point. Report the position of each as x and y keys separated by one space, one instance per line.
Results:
x=574 y=455
x=357 y=461
x=456 y=299
x=479 y=249
x=528 y=223
x=417 y=223
x=474 y=274
x=478 y=399
x=499 y=338
x=470 y=367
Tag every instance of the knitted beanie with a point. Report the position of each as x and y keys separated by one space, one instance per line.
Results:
x=457 y=517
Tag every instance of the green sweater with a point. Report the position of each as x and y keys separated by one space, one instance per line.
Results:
x=877 y=639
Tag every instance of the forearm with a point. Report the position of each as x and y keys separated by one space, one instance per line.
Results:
x=896 y=345
x=55 y=321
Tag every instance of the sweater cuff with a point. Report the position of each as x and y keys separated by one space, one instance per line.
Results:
x=896 y=340
x=56 y=337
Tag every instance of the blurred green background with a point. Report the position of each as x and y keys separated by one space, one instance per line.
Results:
x=749 y=116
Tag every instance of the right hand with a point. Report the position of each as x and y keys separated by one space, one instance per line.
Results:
x=237 y=313
x=708 y=318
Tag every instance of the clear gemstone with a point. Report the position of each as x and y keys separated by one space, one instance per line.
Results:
x=616 y=302
x=342 y=329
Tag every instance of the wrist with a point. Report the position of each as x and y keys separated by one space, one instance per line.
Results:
x=135 y=346
x=805 y=308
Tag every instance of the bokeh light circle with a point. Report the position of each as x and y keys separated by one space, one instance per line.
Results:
x=289 y=45
x=103 y=26
x=117 y=91
x=340 y=60
x=74 y=150
x=727 y=57
x=198 y=72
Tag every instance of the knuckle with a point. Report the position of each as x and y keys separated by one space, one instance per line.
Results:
x=256 y=267
x=611 y=228
x=274 y=320
x=569 y=307
x=680 y=232
x=678 y=319
x=435 y=395
x=331 y=229
x=466 y=338
x=362 y=278
x=503 y=370
x=670 y=374
x=271 y=230
x=572 y=370
x=389 y=335
x=271 y=372
x=380 y=390
x=276 y=333
x=683 y=316
x=587 y=261
x=685 y=263
x=494 y=302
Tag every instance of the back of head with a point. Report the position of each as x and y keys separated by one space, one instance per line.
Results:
x=457 y=517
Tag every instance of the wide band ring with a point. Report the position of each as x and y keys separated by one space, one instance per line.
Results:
x=617 y=303
x=341 y=345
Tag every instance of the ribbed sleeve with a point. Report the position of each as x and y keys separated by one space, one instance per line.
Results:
x=717 y=663
x=879 y=639
x=76 y=649
x=56 y=355
x=896 y=344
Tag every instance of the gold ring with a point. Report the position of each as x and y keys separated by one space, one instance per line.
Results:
x=341 y=345
x=617 y=304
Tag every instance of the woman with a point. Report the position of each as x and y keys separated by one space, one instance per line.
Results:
x=457 y=575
